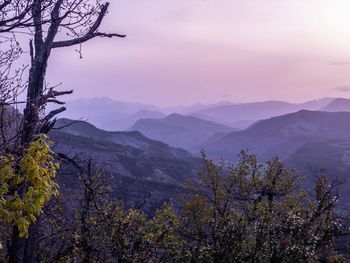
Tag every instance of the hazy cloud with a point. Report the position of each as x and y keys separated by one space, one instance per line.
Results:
x=342 y=89
x=341 y=63
x=225 y=95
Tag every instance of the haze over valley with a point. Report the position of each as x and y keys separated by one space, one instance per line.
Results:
x=306 y=136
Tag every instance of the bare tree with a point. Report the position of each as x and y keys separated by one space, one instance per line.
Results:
x=14 y=14
x=80 y=21
x=11 y=85
x=51 y=24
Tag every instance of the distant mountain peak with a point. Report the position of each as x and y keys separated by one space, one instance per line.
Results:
x=175 y=115
x=337 y=105
x=188 y=132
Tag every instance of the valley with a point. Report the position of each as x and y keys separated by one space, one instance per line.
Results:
x=157 y=155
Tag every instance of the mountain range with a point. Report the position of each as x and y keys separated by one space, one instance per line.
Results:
x=147 y=158
x=283 y=135
x=192 y=133
x=243 y=114
x=112 y=115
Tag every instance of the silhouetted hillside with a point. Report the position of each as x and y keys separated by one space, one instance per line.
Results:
x=187 y=132
x=282 y=136
x=138 y=164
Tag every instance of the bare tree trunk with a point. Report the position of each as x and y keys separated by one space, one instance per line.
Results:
x=39 y=56
x=15 y=248
x=31 y=243
x=35 y=91
x=40 y=49
x=19 y=246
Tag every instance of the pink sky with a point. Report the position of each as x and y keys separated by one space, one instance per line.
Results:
x=187 y=51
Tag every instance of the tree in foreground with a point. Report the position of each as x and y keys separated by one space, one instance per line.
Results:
x=50 y=25
x=88 y=225
x=250 y=212
x=244 y=212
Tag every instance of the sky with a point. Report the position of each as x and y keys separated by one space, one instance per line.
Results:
x=181 y=52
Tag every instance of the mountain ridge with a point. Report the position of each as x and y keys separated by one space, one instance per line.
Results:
x=137 y=165
x=283 y=135
x=187 y=132
x=339 y=104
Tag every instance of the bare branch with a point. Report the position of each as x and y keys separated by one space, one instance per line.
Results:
x=53 y=113
x=92 y=33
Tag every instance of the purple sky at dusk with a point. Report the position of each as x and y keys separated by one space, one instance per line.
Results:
x=180 y=52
